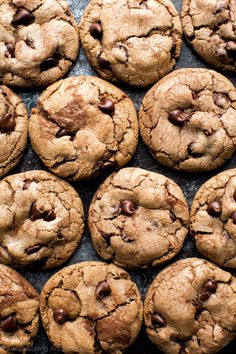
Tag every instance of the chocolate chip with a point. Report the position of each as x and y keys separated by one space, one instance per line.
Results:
x=7 y=123
x=204 y=295
x=231 y=48
x=48 y=64
x=10 y=50
x=60 y=316
x=103 y=63
x=208 y=289
x=26 y=185
x=172 y=216
x=9 y=324
x=233 y=216
x=221 y=5
x=194 y=95
x=22 y=17
x=128 y=207
x=49 y=216
x=235 y=195
x=125 y=237
x=107 y=167
x=199 y=308
x=211 y=286
x=107 y=106
x=33 y=249
x=30 y=42
x=96 y=30
x=158 y=320
x=220 y=99
x=103 y=289
x=35 y=214
x=63 y=132
x=214 y=208
x=177 y=117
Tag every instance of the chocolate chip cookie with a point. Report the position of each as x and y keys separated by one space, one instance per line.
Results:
x=210 y=28
x=41 y=220
x=39 y=41
x=191 y=308
x=83 y=126
x=13 y=129
x=188 y=120
x=137 y=41
x=138 y=218
x=19 y=312
x=91 y=307
x=213 y=219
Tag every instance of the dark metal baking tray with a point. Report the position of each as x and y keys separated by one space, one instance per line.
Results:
x=142 y=158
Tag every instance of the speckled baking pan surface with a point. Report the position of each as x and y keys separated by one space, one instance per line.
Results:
x=142 y=158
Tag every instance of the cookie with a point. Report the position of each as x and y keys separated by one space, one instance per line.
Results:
x=191 y=308
x=83 y=126
x=39 y=41
x=213 y=219
x=13 y=129
x=210 y=29
x=137 y=42
x=188 y=120
x=138 y=218
x=19 y=312
x=91 y=307
x=41 y=220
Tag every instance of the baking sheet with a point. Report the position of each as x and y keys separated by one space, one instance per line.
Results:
x=189 y=183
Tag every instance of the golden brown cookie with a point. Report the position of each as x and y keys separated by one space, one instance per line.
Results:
x=39 y=41
x=41 y=220
x=188 y=120
x=91 y=307
x=83 y=126
x=13 y=129
x=19 y=312
x=210 y=28
x=138 y=218
x=191 y=308
x=213 y=219
x=137 y=41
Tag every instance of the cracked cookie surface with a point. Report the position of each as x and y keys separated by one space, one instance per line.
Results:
x=13 y=129
x=41 y=220
x=191 y=308
x=134 y=41
x=210 y=28
x=138 y=218
x=91 y=307
x=188 y=120
x=213 y=219
x=83 y=126
x=19 y=312
x=39 y=41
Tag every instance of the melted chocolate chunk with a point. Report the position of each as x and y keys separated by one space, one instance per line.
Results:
x=103 y=289
x=23 y=17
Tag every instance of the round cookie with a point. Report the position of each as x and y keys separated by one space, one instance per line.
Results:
x=83 y=126
x=41 y=220
x=91 y=307
x=191 y=308
x=213 y=219
x=137 y=42
x=13 y=129
x=210 y=28
x=138 y=218
x=19 y=312
x=188 y=120
x=39 y=41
